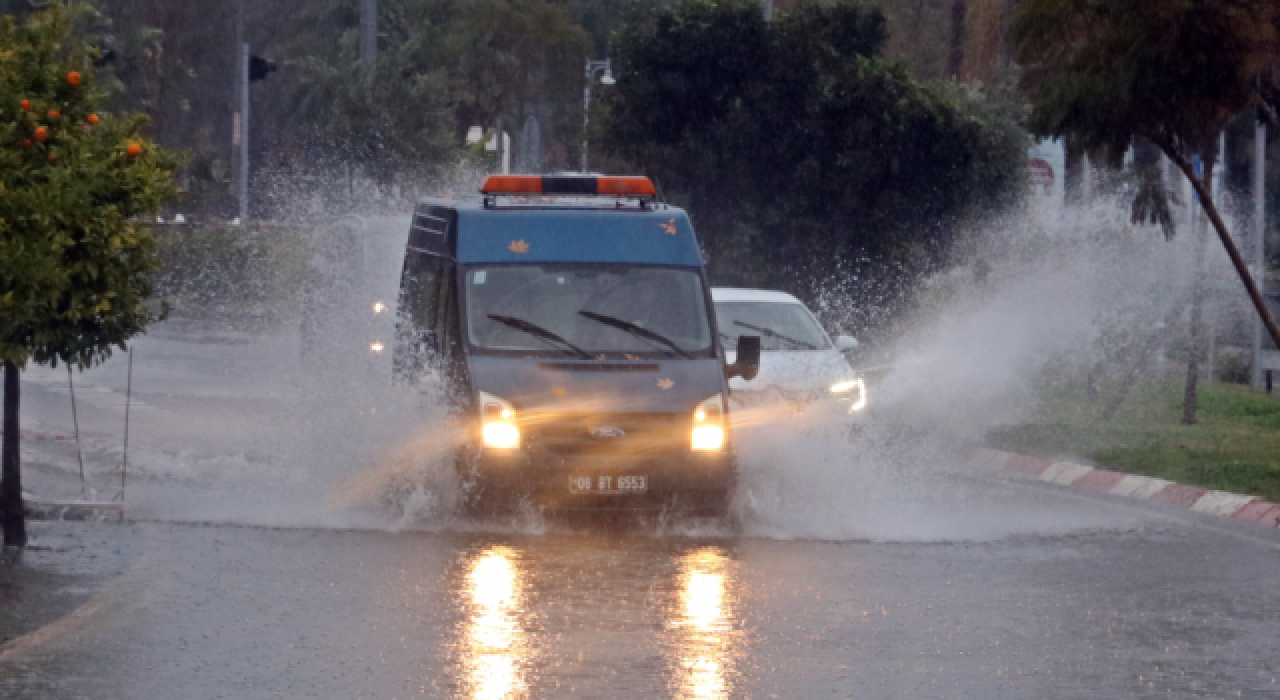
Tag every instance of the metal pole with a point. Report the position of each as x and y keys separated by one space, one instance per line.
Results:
x=497 y=143
x=586 y=115
x=368 y=42
x=236 y=100
x=1216 y=189
x=75 y=423
x=1260 y=238
x=243 y=186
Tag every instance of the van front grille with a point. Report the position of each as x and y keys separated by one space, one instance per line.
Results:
x=609 y=434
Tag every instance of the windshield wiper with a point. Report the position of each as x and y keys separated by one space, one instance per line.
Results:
x=635 y=330
x=774 y=334
x=537 y=331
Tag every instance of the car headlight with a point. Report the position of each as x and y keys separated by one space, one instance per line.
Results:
x=498 y=420
x=855 y=390
x=708 y=424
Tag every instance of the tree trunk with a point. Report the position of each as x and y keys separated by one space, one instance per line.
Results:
x=1233 y=252
x=1091 y=391
x=15 y=524
x=1195 y=345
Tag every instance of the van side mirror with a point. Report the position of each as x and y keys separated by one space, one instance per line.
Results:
x=748 y=359
x=846 y=342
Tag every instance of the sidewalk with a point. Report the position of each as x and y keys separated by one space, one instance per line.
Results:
x=65 y=564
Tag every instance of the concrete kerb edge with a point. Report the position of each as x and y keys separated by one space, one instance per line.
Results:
x=73 y=621
x=1144 y=488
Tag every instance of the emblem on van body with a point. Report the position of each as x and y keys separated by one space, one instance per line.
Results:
x=520 y=246
x=608 y=432
x=665 y=383
x=669 y=227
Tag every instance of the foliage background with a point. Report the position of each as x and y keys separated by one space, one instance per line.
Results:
x=807 y=159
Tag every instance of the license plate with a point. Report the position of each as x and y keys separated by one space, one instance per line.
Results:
x=608 y=484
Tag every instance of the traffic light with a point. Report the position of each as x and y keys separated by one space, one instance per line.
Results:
x=259 y=67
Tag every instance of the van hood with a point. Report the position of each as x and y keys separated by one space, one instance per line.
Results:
x=795 y=371
x=591 y=386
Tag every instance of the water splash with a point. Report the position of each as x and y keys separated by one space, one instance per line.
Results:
x=331 y=442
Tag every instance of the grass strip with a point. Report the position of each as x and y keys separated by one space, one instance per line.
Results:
x=1235 y=445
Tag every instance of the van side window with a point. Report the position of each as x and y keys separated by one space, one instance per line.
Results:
x=422 y=284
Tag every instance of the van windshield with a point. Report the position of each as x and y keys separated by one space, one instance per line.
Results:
x=588 y=311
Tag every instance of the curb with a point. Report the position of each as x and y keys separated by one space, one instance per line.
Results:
x=1144 y=488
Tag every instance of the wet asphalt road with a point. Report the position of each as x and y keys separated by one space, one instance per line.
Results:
x=243 y=612
x=1130 y=600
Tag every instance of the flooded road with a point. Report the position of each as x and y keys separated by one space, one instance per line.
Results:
x=275 y=562
x=234 y=612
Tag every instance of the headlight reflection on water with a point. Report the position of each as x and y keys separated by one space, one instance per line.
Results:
x=703 y=622
x=496 y=648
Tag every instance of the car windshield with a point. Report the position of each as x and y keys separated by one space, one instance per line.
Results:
x=781 y=326
x=590 y=310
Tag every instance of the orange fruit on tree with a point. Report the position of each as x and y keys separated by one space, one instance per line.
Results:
x=134 y=150
x=26 y=105
x=54 y=114
x=41 y=133
x=93 y=119
x=73 y=79
x=26 y=143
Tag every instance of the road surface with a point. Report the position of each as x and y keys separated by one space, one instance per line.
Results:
x=296 y=542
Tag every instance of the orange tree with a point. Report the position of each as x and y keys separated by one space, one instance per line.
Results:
x=75 y=183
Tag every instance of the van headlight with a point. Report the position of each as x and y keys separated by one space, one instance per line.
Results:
x=498 y=419
x=708 y=424
x=855 y=390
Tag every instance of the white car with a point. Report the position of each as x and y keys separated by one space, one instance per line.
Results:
x=797 y=360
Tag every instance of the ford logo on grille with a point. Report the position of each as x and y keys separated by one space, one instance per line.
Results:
x=608 y=431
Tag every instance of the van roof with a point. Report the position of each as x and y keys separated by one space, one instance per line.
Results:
x=765 y=295
x=538 y=233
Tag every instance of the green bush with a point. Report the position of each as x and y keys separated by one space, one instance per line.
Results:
x=227 y=272
x=1233 y=367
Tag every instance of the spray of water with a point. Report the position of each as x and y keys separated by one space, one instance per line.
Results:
x=1040 y=293
x=314 y=433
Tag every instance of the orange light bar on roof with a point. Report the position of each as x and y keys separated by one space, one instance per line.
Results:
x=625 y=186
x=574 y=185
x=512 y=184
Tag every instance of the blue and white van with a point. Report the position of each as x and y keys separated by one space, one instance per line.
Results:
x=572 y=322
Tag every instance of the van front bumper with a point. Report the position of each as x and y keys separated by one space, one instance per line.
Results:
x=681 y=478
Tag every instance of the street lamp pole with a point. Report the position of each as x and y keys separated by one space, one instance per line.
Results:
x=593 y=67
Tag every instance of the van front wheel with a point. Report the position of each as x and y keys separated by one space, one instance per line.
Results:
x=715 y=503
